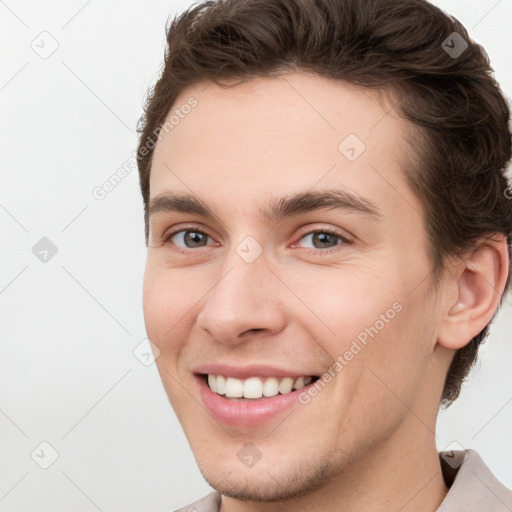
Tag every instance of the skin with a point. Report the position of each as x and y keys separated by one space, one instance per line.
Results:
x=367 y=440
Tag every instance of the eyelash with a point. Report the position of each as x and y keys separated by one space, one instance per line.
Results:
x=167 y=236
x=327 y=231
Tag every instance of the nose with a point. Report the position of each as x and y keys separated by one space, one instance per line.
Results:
x=245 y=299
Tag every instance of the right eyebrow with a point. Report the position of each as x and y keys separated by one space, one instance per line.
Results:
x=182 y=203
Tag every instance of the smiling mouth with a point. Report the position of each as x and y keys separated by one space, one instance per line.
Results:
x=256 y=388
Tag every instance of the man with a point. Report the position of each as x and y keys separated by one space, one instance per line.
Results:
x=328 y=237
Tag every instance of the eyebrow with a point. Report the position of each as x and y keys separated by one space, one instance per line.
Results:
x=277 y=209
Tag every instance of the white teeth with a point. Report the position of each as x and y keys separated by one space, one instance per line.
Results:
x=299 y=383
x=286 y=385
x=271 y=387
x=212 y=382
x=234 y=388
x=221 y=384
x=255 y=387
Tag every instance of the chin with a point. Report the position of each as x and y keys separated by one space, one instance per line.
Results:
x=274 y=482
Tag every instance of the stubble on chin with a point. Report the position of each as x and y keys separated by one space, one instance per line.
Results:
x=277 y=484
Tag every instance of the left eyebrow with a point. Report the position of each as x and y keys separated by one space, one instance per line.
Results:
x=278 y=209
x=311 y=201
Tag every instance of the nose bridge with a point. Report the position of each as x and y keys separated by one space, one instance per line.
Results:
x=242 y=297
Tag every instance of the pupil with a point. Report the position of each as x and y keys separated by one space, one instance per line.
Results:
x=194 y=238
x=323 y=239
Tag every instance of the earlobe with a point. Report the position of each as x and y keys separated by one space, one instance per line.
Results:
x=479 y=279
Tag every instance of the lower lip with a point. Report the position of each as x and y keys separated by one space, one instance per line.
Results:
x=246 y=413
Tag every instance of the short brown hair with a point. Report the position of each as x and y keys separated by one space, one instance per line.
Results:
x=397 y=45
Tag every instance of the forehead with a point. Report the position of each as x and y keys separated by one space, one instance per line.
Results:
x=270 y=136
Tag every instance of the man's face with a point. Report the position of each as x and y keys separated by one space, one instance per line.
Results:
x=265 y=300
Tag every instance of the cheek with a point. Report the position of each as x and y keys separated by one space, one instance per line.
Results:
x=397 y=356
x=166 y=301
x=165 y=317
x=371 y=323
x=342 y=306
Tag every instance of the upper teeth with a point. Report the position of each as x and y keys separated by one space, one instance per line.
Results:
x=255 y=387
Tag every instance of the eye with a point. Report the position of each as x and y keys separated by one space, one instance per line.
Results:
x=187 y=238
x=321 y=239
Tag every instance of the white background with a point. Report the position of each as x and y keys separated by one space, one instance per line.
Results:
x=68 y=375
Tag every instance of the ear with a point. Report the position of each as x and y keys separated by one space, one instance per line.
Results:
x=478 y=282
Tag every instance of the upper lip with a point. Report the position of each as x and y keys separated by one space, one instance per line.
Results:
x=244 y=372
